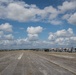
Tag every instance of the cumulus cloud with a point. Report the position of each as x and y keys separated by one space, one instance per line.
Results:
x=55 y=22
x=9 y=41
x=51 y=37
x=6 y=1
x=61 y=33
x=1 y=33
x=34 y=30
x=62 y=37
x=23 y=41
x=20 y=11
x=65 y=33
x=68 y=9
x=32 y=37
x=23 y=12
x=6 y=27
x=67 y=5
x=49 y=12
x=9 y=37
x=72 y=19
x=6 y=37
x=66 y=16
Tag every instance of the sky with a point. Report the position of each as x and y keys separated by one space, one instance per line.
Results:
x=37 y=24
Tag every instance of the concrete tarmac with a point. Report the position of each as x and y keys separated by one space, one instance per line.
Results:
x=37 y=63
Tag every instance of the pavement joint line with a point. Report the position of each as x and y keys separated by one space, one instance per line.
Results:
x=62 y=56
x=6 y=56
x=20 y=56
x=58 y=65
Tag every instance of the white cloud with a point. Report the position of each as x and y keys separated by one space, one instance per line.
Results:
x=33 y=37
x=67 y=5
x=49 y=12
x=23 y=41
x=68 y=9
x=20 y=11
x=7 y=43
x=1 y=33
x=65 y=33
x=72 y=19
x=4 y=36
x=6 y=1
x=55 y=22
x=55 y=40
x=73 y=39
x=9 y=37
x=62 y=37
x=61 y=33
x=60 y=41
x=6 y=27
x=34 y=30
x=23 y=12
x=66 y=16
x=14 y=43
x=17 y=10
x=51 y=37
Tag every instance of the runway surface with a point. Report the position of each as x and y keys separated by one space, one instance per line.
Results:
x=37 y=63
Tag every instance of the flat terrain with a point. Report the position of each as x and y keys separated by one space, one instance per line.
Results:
x=37 y=63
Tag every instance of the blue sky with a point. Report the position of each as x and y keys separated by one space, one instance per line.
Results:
x=37 y=23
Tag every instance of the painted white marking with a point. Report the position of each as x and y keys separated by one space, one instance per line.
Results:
x=20 y=56
x=61 y=65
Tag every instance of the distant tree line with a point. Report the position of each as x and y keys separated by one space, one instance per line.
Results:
x=46 y=49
